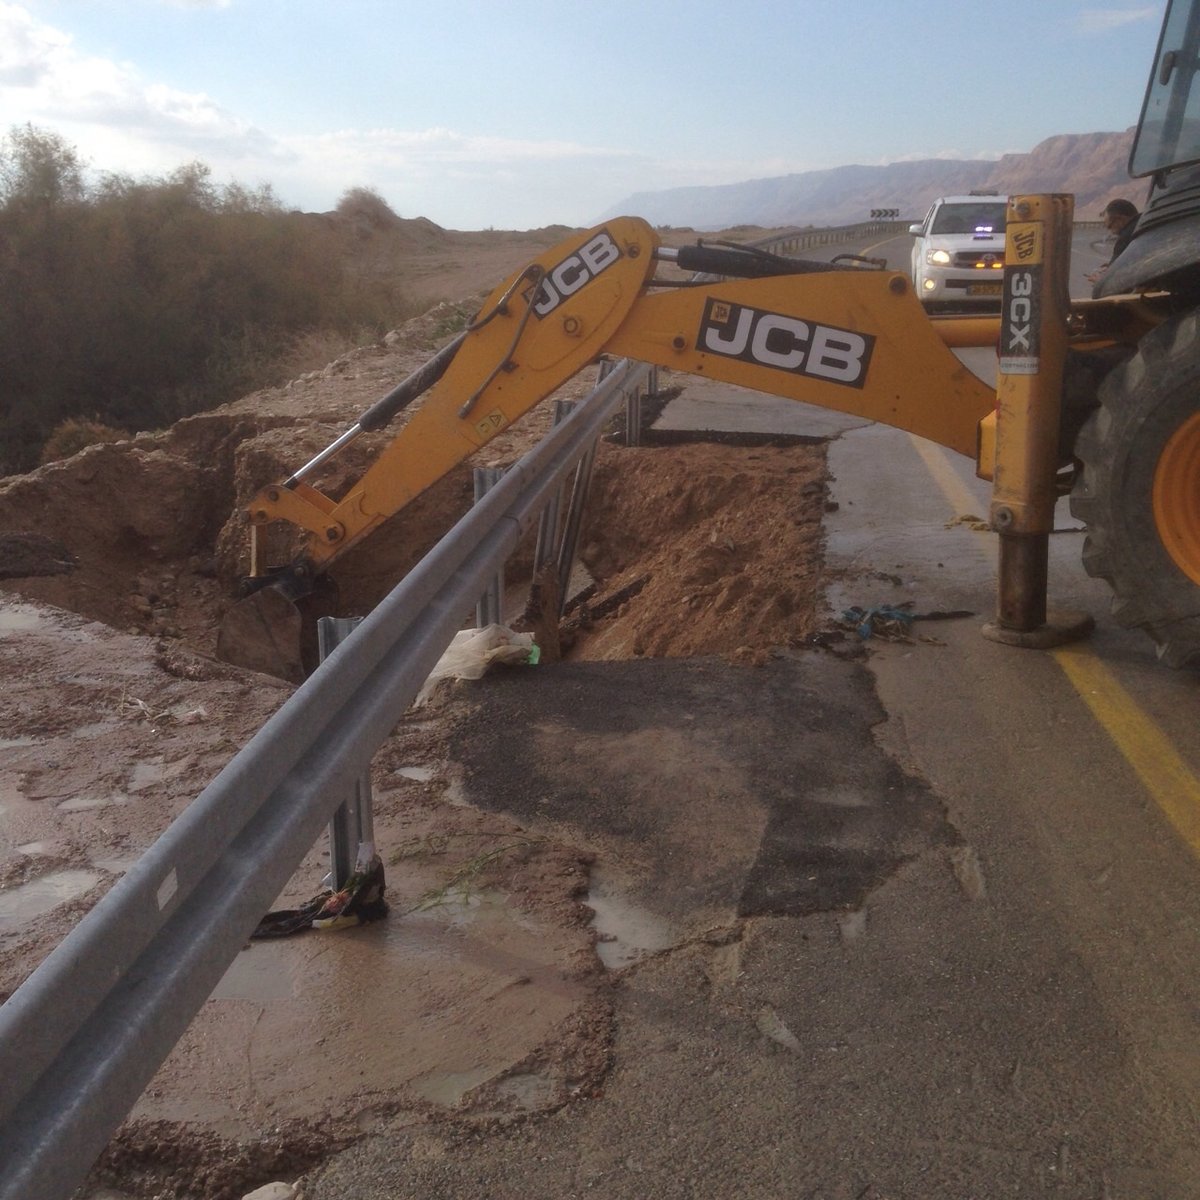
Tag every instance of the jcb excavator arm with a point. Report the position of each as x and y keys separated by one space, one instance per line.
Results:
x=851 y=338
x=855 y=340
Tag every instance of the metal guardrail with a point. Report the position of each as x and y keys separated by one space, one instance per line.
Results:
x=85 y=1033
x=804 y=239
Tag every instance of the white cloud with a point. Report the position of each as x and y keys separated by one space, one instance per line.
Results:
x=119 y=121
x=45 y=80
x=26 y=48
x=950 y=155
x=1103 y=20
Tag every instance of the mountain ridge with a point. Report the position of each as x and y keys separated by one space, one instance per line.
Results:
x=1089 y=165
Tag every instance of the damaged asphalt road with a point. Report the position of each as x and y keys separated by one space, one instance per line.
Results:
x=735 y=791
x=824 y=1002
x=894 y=928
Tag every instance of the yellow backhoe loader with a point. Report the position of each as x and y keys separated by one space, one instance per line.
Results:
x=1097 y=394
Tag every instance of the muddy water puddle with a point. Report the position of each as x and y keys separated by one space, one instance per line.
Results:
x=627 y=931
x=448 y=1088
x=23 y=903
x=17 y=618
x=95 y=729
x=21 y=820
x=417 y=774
x=423 y=1006
x=264 y=974
x=26 y=618
x=116 y=866
x=87 y=803
x=527 y=1090
x=150 y=771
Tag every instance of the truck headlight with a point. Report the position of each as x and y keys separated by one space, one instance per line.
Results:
x=938 y=258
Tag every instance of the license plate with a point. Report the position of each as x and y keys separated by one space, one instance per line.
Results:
x=983 y=289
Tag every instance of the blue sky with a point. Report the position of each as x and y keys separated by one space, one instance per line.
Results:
x=519 y=113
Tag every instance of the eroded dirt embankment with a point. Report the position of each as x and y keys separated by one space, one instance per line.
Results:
x=719 y=546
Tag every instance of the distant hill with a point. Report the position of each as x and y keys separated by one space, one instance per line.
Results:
x=1091 y=165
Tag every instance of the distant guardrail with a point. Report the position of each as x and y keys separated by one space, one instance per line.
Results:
x=792 y=241
x=804 y=239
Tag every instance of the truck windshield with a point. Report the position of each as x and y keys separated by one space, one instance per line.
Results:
x=1168 y=134
x=982 y=218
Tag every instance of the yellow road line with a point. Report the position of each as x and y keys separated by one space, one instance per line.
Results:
x=1170 y=781
x=937 y=462
x=894 y=238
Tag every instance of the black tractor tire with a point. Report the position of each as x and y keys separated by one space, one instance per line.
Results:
x=1144 y=402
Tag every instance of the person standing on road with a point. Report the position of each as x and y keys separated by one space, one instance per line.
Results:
x=1120 y=218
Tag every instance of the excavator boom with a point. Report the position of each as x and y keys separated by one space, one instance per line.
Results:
x=852 y=340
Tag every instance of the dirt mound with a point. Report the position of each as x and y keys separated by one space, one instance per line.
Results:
x=155 y=525
x=717 y=548
x=138 y=518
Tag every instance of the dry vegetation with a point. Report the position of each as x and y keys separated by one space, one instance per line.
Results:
x=132 y=303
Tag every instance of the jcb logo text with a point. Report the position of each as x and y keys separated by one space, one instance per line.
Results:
x=1019 y=328
x=574 y=272
x=786 y=343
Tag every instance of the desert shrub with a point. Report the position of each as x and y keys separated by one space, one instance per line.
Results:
x=452 y=319
x=135 y=302
x=368 y=208
x=314 y=349
x=73 y=434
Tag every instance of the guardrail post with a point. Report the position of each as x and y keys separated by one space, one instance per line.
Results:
x=633 y=417
x=546 y=548
x=490 y=608
x=567 y=549
x=353 y=824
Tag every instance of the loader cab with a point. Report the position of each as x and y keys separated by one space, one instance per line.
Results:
x=1168 y=133
x=1165 y=250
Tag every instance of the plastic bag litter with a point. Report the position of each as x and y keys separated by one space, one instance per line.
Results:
x=359 y=902
x=474 y=651
x=890 y=622
x=893 y=622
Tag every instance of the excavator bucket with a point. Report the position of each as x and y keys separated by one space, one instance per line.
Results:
x=263 y=632
x=274 y=628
